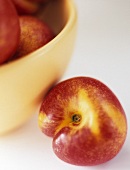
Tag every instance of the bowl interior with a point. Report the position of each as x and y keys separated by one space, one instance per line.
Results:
x=55 y=14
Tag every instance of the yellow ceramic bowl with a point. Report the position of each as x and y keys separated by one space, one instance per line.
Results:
x=24 y=82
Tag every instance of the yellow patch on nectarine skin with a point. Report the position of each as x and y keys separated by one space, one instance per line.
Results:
x=116 y=116
x=82 y=105
x=64 y=123
x=43 y=120
x=88 y=112
x=40 y=119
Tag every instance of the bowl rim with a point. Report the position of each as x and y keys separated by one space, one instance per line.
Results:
x=70 y=23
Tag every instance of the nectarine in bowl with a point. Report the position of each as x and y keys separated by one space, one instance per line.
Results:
x=25 y=81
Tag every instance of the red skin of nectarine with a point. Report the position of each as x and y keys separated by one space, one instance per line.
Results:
x=9 y=30
x=34 y=34
x=86 y=121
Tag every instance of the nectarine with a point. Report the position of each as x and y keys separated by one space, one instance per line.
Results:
x=85 y=119
x=34 y=34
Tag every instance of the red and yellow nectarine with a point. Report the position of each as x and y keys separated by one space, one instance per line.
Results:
x=34 y=34
x=85 y=119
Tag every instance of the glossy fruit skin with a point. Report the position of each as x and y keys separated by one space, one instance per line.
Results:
x=101 y=131
x=34 y=34
x=9 y=39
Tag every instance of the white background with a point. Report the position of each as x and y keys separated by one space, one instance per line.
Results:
x=102 y=51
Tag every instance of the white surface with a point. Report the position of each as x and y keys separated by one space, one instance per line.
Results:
x=102 y=51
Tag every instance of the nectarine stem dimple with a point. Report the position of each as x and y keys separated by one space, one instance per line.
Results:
x=76 y=118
